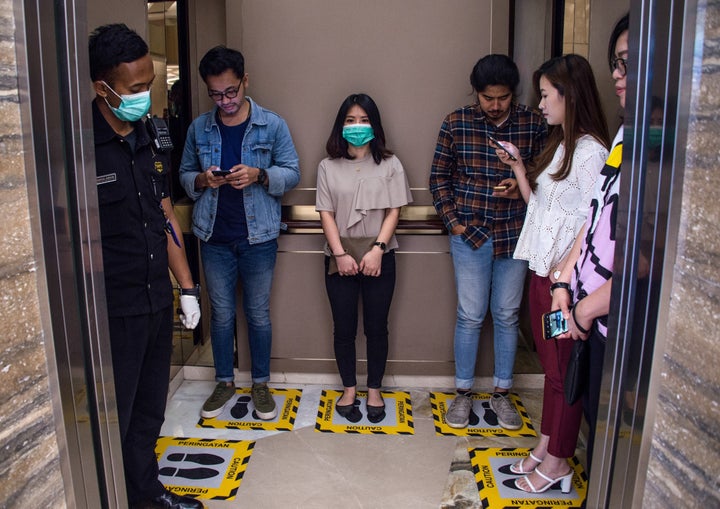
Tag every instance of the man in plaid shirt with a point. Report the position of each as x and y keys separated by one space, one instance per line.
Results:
x=477 y=199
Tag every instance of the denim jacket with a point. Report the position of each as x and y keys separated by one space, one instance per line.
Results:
x=268 y=145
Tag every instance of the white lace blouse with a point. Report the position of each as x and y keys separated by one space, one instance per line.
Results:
x=557 y=209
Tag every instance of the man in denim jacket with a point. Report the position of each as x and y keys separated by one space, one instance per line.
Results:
x=239 y=160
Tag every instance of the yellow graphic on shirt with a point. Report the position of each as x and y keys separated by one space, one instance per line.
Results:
x=615 y=157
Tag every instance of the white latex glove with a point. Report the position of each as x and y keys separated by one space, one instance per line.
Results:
x=190 y=315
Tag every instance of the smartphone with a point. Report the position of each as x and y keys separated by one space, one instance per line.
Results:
x=221 y=173
x=497 y=143
x=501 y=188
x=554 y=324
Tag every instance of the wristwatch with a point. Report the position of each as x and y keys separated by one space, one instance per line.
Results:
x=261 y=176
x=560 y=284
x=194 y=291
x=381 y=244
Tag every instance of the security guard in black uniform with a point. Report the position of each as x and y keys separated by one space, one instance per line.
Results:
x=139 y=243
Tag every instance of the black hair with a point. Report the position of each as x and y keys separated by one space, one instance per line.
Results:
x=337 y=146
x=495 y=70
x=621 y=26
x=112 y=45
x=220 y=59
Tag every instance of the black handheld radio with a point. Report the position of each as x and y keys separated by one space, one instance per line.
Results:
x=160 y=134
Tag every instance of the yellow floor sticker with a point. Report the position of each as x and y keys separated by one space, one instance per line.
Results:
x=496 y=484
x=483 y=421
x=203 y=468
x=397 y=420
x=240 y=413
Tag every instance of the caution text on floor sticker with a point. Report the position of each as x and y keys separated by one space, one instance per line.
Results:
x=396 y=420
x=240 y=412
x=496 y=483
x=483 y=421
x=203 y=468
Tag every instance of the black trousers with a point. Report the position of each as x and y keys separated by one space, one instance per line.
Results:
x=141 y=349
x=591 y=398
x=344 y=293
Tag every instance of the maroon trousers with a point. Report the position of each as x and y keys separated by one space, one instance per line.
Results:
x=560 y=421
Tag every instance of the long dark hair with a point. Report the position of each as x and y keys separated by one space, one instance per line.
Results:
x=572 y=76
x=337 y=146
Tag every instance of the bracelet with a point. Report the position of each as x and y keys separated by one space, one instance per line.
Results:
x=579 y=327
x=340 y=255
x=194 y=291
x=560 y=284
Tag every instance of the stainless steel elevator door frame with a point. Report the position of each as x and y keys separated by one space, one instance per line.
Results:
x=57 y=127
x=661 y=43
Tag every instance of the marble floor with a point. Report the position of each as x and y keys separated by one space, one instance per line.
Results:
x=307 y=469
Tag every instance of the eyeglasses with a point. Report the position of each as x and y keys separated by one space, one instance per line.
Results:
x=230 y=93
x=620 y=65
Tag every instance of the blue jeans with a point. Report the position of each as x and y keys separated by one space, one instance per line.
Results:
x=479 y=280
x=252 y=266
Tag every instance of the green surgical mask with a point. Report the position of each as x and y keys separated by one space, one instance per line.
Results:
x=358 y=135
x=132 y=107
x=655 y=136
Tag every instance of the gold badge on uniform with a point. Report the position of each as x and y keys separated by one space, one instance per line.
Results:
x=159 y=167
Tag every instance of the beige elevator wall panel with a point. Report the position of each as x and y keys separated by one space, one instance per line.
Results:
x=413 y=57
x=422 y=316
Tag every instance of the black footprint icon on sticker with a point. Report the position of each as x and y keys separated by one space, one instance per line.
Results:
x=473 y=419
x=240 y=409
x=489 y=416
x=189 y=473
x=200 y=458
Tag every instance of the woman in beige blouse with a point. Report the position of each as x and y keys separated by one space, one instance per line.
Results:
x=360 y=189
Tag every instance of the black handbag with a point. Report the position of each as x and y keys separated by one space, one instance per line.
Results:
x=576 y=378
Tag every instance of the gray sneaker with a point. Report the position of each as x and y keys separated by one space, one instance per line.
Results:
x=507 y=414
x=263 y=401
x=458 y=415
x=218 y=399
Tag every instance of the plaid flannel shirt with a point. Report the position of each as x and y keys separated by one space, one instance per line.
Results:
x=465 y=168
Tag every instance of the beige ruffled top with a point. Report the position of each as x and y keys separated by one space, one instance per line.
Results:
x=359 y=191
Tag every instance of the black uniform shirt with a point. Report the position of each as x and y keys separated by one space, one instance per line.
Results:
x=130 y=186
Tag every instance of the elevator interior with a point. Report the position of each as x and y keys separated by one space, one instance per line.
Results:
x=304 y=75
x=659 y=58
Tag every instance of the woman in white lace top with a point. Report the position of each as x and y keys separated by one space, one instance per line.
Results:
x=558 y=189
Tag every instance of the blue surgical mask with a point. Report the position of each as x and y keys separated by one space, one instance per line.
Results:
x=358 y=135
x=132 y=107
